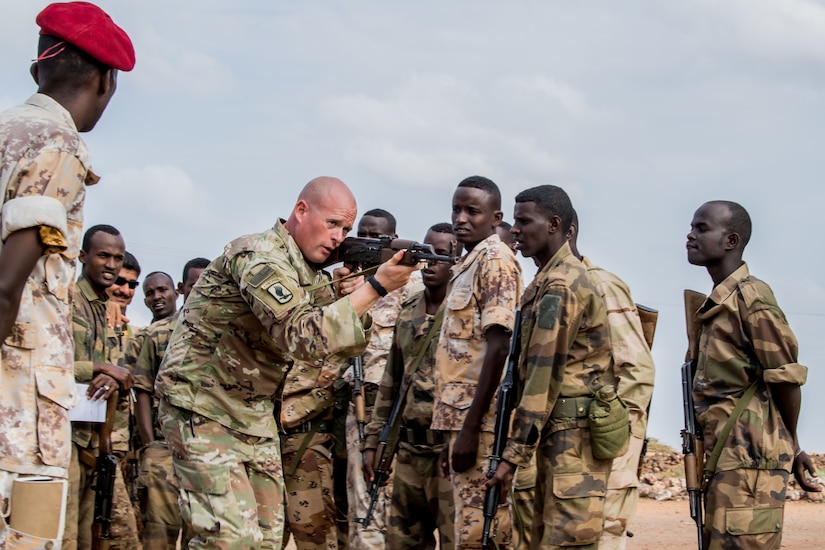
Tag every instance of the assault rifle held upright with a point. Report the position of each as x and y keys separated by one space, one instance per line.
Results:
x=358 y=397
x=105 y=472
x=504 y=408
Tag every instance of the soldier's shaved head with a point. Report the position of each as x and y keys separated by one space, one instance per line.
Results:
x=324 y=188
x=322 y=217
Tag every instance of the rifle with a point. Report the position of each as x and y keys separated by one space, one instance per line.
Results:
x=504 y=408
x=358 y=398
x=364 y=253
x=692 y=445
x=384 y=454
x=105 y=472
x=648 y=317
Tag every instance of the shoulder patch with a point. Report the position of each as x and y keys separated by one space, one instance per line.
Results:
x=548 y=311
x=281 y=293
x=261 y=276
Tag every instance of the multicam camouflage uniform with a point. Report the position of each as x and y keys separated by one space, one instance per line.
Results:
x=159 y=507
x=422 y=500
x=745 y=339
x=249 y=316
x=44 y=171
x=384 y=313
x=484 y=291
x=564 y=353
x=306 y=412
x=95 y=342
x=634 y=371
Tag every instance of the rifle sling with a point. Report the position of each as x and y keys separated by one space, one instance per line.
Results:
x=299 y=454
x=710 y=465
x=366 y=271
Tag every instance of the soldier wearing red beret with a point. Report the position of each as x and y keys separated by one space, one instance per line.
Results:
x=44 y=170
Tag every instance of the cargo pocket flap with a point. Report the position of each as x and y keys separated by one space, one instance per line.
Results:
x=579 y=485
x=459 y=299
x=198 y=477
x=458 y=396
x=21 y=336
x=753 y=521
x=56 y=384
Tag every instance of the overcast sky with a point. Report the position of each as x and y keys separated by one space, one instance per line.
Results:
x=641 y=110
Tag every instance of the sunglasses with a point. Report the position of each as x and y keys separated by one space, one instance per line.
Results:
x=120 y=281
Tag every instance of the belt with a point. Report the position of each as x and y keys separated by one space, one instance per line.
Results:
x=319 y=426
x=572 y=407
x=418 y=435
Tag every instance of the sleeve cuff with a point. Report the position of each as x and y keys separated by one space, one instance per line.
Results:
x=497 y=316
x=32 y=211
x=84 y=371
x=792 y=373
x=518 y=453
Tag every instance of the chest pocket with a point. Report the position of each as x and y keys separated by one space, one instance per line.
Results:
x=459 y=319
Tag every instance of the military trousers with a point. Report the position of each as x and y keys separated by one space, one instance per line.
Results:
x=162 y=524
x=744 y=509
x=523 y=495
x=468 y=498
x=570 y=488
x=310 y=504
x=622 y=497
x=231 y=484
x=422 y=502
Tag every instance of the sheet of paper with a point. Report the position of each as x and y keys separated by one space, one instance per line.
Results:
x=85 y=410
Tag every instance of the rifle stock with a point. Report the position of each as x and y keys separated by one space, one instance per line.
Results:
x=105 y=472
x=504 y=408
x=693 y=451
x=358 y=397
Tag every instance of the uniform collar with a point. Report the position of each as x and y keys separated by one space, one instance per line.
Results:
x=86 y=290
x=306 y=274
x=50 y=104
x=470 y=258
x=723 y=291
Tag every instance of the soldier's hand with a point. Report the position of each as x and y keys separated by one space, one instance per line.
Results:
x=369 y=459
x=101 y=387
x=120 y=374
x=504 y=476
x=114 y=316
x=444 y=463
x=464 y=451
x=801 y=464
x=393 y=276
x=345 y=286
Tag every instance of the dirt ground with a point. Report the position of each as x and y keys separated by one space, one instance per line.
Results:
x=666 y=525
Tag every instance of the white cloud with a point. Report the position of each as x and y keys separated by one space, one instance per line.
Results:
x=572 y=100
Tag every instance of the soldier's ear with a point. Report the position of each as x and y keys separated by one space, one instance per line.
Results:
x=732 y=241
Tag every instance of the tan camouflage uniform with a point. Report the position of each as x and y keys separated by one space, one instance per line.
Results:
x=484 y=291
x=564 y=353
x=374 y=360
x=159 y=500
x=94 y=342
x=306 y=412
x=44 y=170
x=745 y=338
x=248 y=317
x=422 y=501
x=634 y=370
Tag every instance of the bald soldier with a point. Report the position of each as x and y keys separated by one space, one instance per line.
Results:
x=258 y=307
x=44 y=170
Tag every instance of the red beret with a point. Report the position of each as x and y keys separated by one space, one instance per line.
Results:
x=90 y=29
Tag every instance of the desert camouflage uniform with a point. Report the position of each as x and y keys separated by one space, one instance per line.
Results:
x=306 y=412
x=745 y=339
x=374 y=360
x=160 y=512
x=564 y=353
x=44 y=171
x=94 y=342
x=249 y=316
x=634 y=371
x=484 y=291
x=422 y=500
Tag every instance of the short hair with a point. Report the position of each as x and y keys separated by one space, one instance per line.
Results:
x=505 y=226
x=739 y=222
x=194 y=263
x=87 y=237
x=485 y=184
x=442 y=227
x=381 y=213
x=130 y=262
x=152 y=274
x=550 y=200
x=68 y=70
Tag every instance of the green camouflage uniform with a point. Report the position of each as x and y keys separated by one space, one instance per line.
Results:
x=125 y=437
x=159 y=499
x=384 y=314
x=248 y=318
x=634 y=372
x=95 y=342
x=745 y=339
x=484 y=291
x=564 y=353
x=45 y=168
x=306 y=412
x=422 y=501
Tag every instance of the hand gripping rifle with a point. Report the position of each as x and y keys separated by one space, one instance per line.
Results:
x=692 y=444
x=105 y=472
x=504 y=408
x=358 y=397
